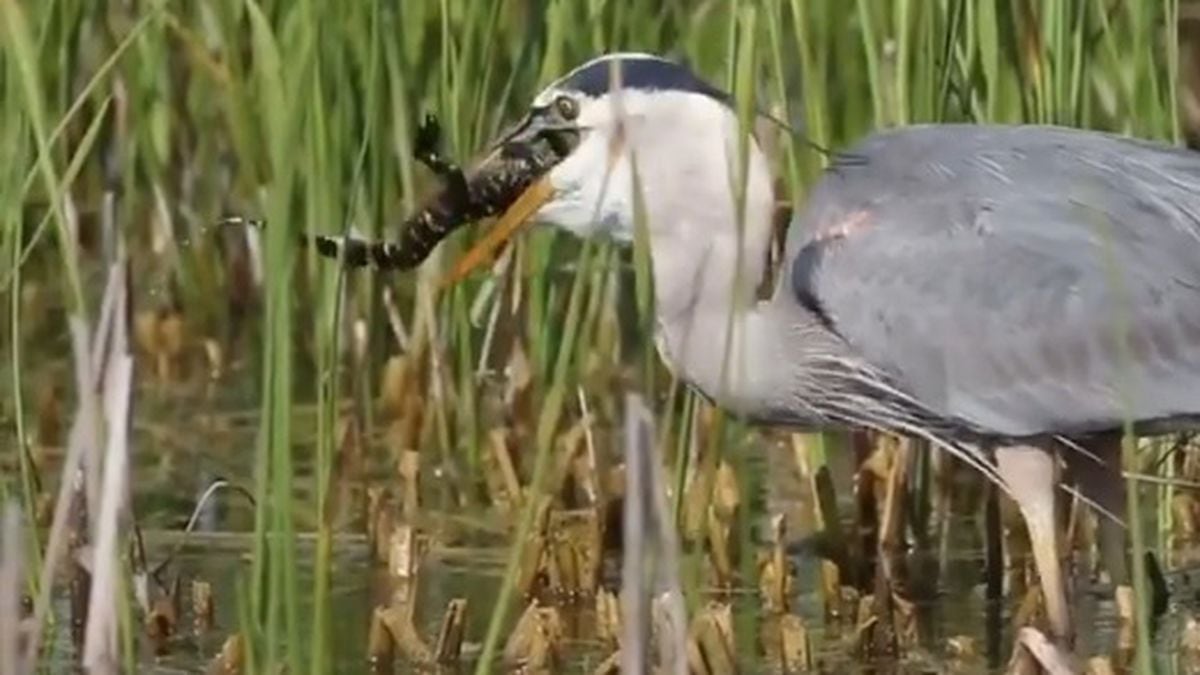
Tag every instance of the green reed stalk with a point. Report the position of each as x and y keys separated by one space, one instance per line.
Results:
x=325 y=190
x=15 y=132
x=1170 y=10
x=275 y=559
x=547 y=426
x=25 y=80
x=23 y=54
x=683 y=441
x=905 y=26
x=1144 y=103
x=773 y=22
x=127 y=628
x=871 y=47
x=745 y=74
x=327 y=328
x=87 y=93
x=605 y=279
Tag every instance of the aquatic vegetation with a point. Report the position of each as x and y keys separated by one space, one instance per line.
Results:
x=498 y=474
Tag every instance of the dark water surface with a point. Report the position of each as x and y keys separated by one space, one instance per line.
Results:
x=187 y=437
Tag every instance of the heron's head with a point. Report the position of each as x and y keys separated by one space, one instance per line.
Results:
x=619 y=125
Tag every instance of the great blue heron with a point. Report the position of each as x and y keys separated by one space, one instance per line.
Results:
x=1008 y=293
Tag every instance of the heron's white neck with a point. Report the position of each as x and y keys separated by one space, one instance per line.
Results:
x=707 y=266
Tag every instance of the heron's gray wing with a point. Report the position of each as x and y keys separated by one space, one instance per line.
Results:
x=1016 y=280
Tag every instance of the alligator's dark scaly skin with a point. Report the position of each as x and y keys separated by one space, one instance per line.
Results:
x=485 y=192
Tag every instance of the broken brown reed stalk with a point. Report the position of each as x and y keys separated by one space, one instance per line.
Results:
x=81 y=467
x=786 y=643
x=962 y=648
x=1185 y=521
x=585 y=468
x=1101 y=665
x=534 y=548
x=1030 y=609
x=711 y=649
x=562 y=480
x=49 y=413
x=393 y=633
x=409 y=468
x=783 y=637
x=562 y=557
x=232 y=659
x=1038 y=655
x=1189 y=640
x=404 y=554
x=827 y=524
x=503 y=483
x=1081 y=531
x=410 y=646
x=203 y=608
x=348 y=469
x=702 y=469
x=162 y=618
x=161 y=335
x=904 y=614
x=775 y=573
x=381 y=520
x=448 y=649
x=891 y=528
x=886 y=626
x=394 y=385
x=608 y=619
x=572 y=559
x=79 y=555
x=403 y=402
x=395 y=322
x=381 y=647
x=875 y=633
x=722 y=514
x=564 y=551
x=214 y=359
x=1126 y=610
x=609 y=666
x=535 y=645
x=101 y=648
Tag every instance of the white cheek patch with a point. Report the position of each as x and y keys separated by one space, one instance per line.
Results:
x=588 y=200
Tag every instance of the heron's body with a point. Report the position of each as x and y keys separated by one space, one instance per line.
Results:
x=1010 y=281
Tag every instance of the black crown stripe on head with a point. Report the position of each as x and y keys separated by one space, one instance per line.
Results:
x=638 y=72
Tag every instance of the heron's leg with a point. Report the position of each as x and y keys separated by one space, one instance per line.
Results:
x=1098 y=478
x=1031 y=475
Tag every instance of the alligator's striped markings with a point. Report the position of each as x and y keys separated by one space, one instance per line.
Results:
x=484 y=192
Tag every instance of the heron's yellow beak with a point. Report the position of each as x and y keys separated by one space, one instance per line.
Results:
x=505 y=227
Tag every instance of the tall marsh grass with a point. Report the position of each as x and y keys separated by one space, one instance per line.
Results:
x=303 y=112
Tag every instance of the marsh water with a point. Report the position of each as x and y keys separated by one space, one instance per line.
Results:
x=188 y=436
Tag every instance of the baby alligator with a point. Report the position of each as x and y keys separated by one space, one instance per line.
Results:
x=483 y=192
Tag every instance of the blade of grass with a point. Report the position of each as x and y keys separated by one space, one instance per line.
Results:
x=547 y=425
x=275 y=568
x=22 y=52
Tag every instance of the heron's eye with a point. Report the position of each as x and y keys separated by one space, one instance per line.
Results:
x=567 y=107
